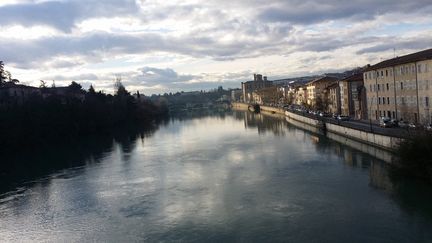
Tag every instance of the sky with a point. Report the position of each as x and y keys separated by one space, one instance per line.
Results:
x=169 y=46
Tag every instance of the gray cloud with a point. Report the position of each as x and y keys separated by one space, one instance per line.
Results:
x=314 y=11
x=152 y=76
x=63 y=15
x=398 y=44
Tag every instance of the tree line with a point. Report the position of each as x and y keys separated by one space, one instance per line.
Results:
x=41 y=120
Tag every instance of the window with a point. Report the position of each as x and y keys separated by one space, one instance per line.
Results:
x=401 y=85
x=379 y=100
x=388 y=114
x=378 y=87
x=403 y=100
x=388 y=100
x=394 y=115
x=387 y=86
x=419 y=68
x=370 y=75
x=365 y=76
x=427 y=84
x=386 y=72
x=370 y=86
x=391 y=72
x=427 y=101
x=413 y=68
x=382 y=73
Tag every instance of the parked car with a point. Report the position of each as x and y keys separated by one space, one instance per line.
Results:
x=402 y=124
x=428 y=127
x=343 y=118
x=386 y=122
x=412 y=125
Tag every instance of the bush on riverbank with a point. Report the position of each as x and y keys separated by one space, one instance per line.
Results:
x=415 y=157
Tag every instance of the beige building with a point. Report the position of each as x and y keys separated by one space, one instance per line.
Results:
x=352 y=96
x=398 y=88
x=315 y=89
x=249 y=87
x=333 y=98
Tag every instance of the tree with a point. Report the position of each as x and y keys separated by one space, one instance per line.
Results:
x=2 y=73
x=75 y=87
x=8 y=76
x=92 y=90
x=42 y=84
x=120 y=89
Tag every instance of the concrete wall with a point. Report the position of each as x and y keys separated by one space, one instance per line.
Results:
x=272 y=109
x=307 y=120
x=240 y=105
x=378 y=140
x=382 y=141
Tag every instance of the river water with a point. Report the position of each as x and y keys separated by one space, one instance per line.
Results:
x=218 y=177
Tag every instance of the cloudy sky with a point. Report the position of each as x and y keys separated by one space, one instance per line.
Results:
x=167 y=46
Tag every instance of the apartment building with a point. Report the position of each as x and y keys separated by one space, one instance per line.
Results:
x=398 y=88
x=353 y=96
x=316 y=88
x=333 y=98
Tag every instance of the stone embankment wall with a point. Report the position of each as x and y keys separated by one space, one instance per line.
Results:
x=272 y=109
x=307 y=120
x=382 y=141
x=240 y=105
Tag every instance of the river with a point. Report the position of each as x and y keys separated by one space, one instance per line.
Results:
x=218 y=177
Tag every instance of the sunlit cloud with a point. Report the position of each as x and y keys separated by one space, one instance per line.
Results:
x=192 y=45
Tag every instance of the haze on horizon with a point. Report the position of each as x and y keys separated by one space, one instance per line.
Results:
x=198 y=45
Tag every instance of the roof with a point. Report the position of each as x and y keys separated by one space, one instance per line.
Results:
x=354 y=78
x=413 y=57
x=322 y=79
x=333 y=85
x=8 y=85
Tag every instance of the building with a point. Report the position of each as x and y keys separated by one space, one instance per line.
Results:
x=249 y=87
x=333 y=98
x=236 y=95
x=399 y=88
x=353 y=100
x=267 y=96
x=12 y=93
x=315 y=90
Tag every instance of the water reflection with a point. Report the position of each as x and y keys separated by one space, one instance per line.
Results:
x=232 y=176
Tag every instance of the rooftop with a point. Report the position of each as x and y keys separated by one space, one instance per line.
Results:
x=413 y=57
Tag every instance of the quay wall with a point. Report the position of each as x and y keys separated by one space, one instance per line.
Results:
x=272 y=109
x=240 y=105
x=382 y=141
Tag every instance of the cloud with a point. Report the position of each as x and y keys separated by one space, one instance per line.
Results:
x=195 y=43
x=398 y=44
x=63 y=15
x=307 y=12
x=151 y=76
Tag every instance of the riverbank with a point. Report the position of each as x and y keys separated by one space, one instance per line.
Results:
x=377 y=145
x=379 y=140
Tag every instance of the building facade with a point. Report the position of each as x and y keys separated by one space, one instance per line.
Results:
x=353 y=103
x=398 y=88
x=249 y=87
x=315 y=89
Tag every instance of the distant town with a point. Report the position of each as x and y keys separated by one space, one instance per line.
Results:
x=397 y=89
